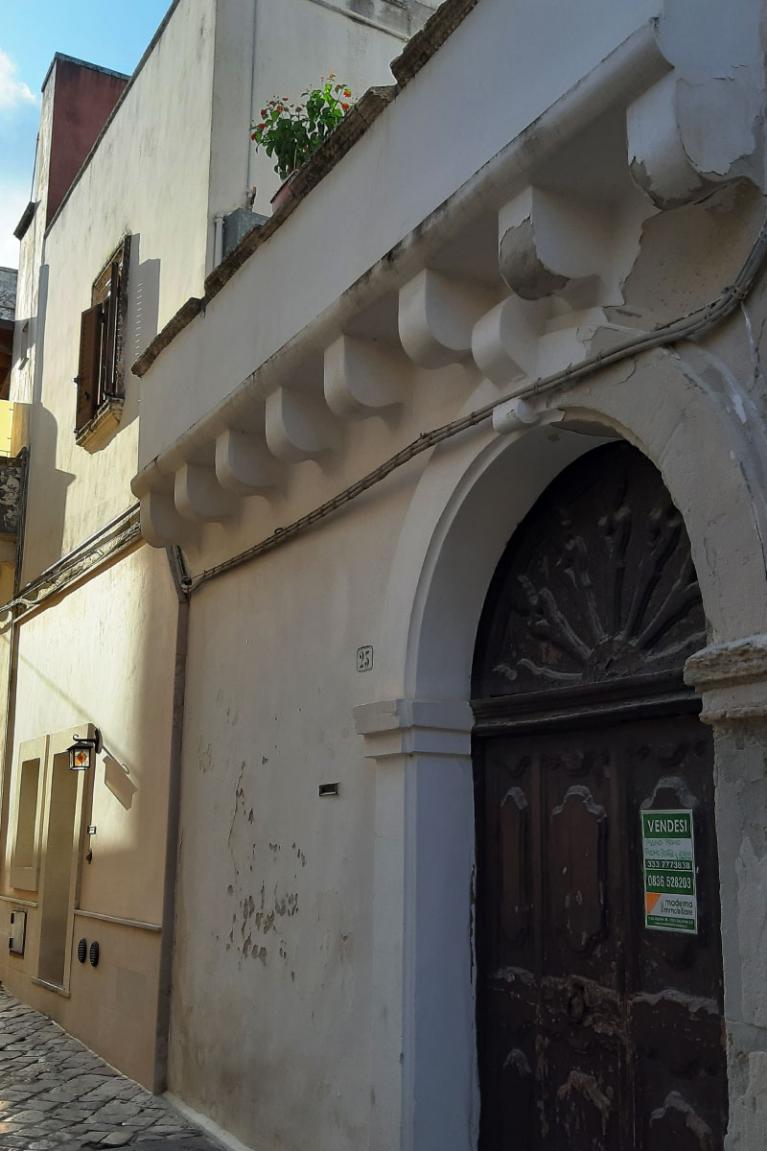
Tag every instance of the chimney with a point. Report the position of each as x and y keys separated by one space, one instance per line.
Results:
x=83 y=98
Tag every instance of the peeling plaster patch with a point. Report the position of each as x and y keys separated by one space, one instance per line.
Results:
x=723 y=226
x=640 y=175
x=751 y=871
x=716 y=124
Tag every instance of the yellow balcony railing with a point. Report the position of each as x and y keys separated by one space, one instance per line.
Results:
x=12 y=428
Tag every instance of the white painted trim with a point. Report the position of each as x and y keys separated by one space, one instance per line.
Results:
x=415 y=727
x=54 y=987
x=139 y=924
x=18 y=902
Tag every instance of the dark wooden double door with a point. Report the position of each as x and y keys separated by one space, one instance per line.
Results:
x=595 y=1033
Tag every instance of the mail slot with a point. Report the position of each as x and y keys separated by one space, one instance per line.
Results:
x=18 y=932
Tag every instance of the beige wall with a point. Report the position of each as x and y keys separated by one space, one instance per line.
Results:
x=112 y=1008
x=104 y=655
x=148 y=177
x=176 y=151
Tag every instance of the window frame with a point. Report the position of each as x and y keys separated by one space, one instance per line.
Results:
x=100 y=378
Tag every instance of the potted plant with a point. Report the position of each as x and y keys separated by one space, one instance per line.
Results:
x=290 y=133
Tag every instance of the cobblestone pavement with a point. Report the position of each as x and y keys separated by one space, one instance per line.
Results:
x=55 y=1093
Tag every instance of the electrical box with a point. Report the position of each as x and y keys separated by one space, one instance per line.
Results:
x=18 y=934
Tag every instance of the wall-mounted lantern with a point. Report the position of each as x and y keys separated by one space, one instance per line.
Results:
x=82 y=750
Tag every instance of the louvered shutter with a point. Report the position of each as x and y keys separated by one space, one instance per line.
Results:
x=88 y=374
x=112 y=319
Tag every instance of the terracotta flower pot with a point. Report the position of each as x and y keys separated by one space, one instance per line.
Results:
x=284 y=193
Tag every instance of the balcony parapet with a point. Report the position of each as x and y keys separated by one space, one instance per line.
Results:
x=12 y=473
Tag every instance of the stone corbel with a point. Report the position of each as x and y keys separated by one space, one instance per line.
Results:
x=551 y=244
x=684 y=138
x=437 y=315
x=199 y=496
x=398 y=727
x=299 y=426
x=732 y=679
x=161 y=525
x=505 y=341
x=363 y=377
x=244 y=464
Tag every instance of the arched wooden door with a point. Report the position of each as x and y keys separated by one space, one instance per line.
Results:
x=599 y=1021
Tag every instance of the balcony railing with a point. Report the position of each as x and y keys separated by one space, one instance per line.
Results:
x=12 y=468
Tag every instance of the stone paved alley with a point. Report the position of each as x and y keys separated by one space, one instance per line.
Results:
x=55 y=1093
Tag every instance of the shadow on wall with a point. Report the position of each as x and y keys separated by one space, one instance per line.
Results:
x=143 y=314
x=118 y=781
x=45 y=546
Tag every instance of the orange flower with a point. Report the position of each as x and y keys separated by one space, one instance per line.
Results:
x=346 y=107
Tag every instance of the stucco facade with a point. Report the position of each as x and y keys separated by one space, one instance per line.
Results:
x=528 y=248
x=92 y=632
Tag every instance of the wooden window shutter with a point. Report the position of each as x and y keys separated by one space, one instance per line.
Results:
x=88 y=373
x=110 y=351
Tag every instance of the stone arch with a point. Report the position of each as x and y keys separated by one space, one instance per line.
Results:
x=469 y=496
x=467 y=504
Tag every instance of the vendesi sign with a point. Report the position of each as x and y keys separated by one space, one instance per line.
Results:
x=670 y=897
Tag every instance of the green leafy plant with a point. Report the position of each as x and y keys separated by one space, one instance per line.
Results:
x=289 y=133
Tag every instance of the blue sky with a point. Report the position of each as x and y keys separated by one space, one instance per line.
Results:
x=113 y=34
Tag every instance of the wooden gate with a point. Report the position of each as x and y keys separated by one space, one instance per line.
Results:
x=596 y=1032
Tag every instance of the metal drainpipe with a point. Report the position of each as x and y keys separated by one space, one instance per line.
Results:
x=249 y=167
x=178 y=574
x=218 y=240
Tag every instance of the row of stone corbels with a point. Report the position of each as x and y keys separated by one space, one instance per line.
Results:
x=555 y=253
x=442 y=320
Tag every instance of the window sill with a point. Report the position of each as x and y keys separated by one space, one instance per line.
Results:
x=18 y=902
x=100 y=430
x=54 y=987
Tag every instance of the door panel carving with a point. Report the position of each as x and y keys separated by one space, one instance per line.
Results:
x=595 y=1033
x=578 y=879
x=597 y=584
x=515 y=856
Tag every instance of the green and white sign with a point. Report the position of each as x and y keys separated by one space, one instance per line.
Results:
x=670 y=898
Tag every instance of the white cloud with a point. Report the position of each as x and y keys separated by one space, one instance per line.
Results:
x=13 y=200
x=13 y=92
